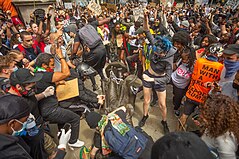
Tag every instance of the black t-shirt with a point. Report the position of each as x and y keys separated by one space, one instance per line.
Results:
x=33 y=103
x=47 y=105
x=97 y=136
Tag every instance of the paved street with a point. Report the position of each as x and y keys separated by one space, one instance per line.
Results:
x=153 y=126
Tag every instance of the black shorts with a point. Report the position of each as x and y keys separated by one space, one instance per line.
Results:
x=189 y=106
x=159 y=87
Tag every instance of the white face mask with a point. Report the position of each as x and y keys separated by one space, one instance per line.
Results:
x=15 y=69
x=19 y=39
x=128 y=20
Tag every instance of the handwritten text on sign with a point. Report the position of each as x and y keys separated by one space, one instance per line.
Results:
x=95 y=8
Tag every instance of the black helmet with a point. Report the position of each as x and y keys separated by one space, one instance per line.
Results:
x=84 y=69
x=215 y=49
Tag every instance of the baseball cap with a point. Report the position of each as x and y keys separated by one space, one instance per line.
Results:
x=24 y=76
x=232 y=49
x=180 y=145
x=92 y=119
x=185 y=23
x=13 y=107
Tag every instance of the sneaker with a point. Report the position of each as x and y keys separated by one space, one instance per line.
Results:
x=95 y=87
x=177 y=113
x=143 y=120
x=77 y=144
x=165 y=127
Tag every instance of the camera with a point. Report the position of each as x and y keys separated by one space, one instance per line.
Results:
x=39 y=15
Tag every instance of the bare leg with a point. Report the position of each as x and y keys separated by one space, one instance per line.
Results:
x=162 y=104
x=147 y=98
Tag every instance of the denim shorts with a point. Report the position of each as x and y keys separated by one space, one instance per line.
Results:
x=159 y=87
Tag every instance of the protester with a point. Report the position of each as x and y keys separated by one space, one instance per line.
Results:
x=219 y=117
x=14 y=117
x=194 y=47
x=180 y=145
x=158 y=74
x=205 y=70
x=115 y=135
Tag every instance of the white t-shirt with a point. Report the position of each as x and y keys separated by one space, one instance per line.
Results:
x=56 y=59
x=181 y=76
x=131 y=33
x=225 y=144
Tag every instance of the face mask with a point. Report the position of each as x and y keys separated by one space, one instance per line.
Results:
x=151 y=19
x=19 y=64
x=235 y=85
x=19 y=39
x=117 y=18
x=231 y=67
x=21 y=132
x=28 y=93
x=128 y=20
x=114 y=21
x=15 y=69
x=185 y=64
x=49 y=70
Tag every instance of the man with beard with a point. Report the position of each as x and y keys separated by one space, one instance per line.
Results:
x=22 y=84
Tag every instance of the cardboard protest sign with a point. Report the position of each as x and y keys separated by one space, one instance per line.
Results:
x=232 y=3
x=112 y=7
x=138 y=12
x=68 y=5
x=67 y=91
x=95 y=8
x=152 y=4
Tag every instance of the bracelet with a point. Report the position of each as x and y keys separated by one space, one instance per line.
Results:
x=62 y=58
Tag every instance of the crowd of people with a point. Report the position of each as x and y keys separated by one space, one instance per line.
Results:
x=193 y=48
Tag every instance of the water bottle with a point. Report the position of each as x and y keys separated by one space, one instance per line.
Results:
x=32 y=129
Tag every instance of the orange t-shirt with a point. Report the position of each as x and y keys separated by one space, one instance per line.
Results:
x=7 y=5
x=204 y=71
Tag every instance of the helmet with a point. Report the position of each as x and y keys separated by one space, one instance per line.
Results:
x=84 y=69
x=215 y=49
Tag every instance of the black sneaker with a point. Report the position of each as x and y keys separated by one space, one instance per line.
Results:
x=143 y=120
x=177 y=113
x=165 y=127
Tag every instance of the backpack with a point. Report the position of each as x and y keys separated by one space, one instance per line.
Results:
x=129 y=146
x=21 y=49
x=90 y=36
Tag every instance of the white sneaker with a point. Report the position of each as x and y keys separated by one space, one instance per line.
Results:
x=78 y=144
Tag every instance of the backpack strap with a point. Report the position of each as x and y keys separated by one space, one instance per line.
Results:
x=35 y=49
x=21 y=49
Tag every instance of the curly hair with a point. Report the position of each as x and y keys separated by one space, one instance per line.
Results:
x=220 y=114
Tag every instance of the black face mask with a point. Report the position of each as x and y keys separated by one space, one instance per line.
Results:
x=235 y=85
x=19 y=64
